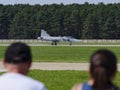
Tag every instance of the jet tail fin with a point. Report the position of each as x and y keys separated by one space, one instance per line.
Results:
x=44 y=34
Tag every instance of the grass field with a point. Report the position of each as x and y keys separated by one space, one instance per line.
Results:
x=63 y=80
x=63 y=53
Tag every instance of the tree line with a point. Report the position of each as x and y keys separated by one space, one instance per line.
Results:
x=84 y=21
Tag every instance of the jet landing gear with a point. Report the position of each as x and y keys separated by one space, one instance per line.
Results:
x=70 y=43
x=54 y=43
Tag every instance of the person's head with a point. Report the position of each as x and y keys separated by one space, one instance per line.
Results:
x=103 y=67
x=18 y=58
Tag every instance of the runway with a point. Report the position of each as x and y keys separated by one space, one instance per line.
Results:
x=57 y=66
x=81 y=45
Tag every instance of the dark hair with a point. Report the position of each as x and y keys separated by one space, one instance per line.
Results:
x=103 y=67
x=18 y=53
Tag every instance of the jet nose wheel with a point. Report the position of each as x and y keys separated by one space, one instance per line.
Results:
x=52 y=43
x=55 y=43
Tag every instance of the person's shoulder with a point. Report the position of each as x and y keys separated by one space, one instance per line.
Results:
x=35 y=83
x=77 y=86
x=3 y=76
x=22 y=81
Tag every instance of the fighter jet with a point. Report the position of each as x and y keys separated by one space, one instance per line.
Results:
x=54 y=39
x=46 y=37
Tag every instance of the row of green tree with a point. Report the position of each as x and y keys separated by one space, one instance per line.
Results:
x=85 y=21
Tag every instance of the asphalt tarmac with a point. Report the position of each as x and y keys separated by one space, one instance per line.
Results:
x=57 y=66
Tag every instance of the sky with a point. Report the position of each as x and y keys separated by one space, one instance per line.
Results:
x=42 y=2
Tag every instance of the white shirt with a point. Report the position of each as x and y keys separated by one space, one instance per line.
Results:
x=15 y=81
